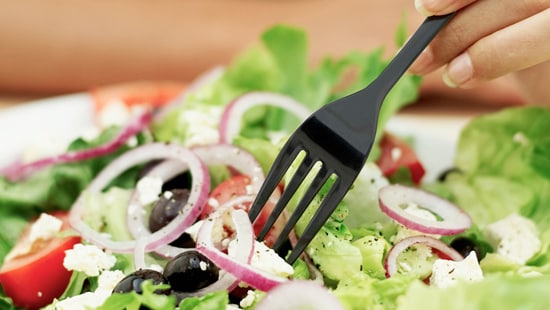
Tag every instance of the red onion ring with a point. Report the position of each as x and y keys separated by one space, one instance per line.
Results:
x=235 y=157
x=244 y=247
x=197 y=199
x=243 y=271
x=19 y=170
x=393 y=197
x=299 y=294
x=442 y=249
x=230 y=122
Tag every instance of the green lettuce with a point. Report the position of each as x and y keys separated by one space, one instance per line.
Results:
x=494 y=292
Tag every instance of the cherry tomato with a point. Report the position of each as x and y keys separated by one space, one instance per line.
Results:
x=237 y=186
x=397 y=154
x=151 y=93
x=34 y=279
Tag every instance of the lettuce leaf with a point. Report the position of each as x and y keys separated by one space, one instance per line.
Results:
x=495 y=292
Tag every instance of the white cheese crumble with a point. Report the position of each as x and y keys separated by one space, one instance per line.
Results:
x=514 y=237
x=446 y=273
x=414 y=210
x=249 y=299
x=91 y=300
x=266 y=259
x=396 y=153
x=149 y=189
x=45 y=227
x=201 y=126
x=88 y=259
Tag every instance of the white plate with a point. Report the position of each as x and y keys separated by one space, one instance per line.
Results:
x=58 y=120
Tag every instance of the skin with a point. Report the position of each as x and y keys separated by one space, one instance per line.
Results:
x=513 y=39
x=60 y=46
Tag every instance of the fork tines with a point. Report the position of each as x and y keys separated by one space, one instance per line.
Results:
x=294 y=153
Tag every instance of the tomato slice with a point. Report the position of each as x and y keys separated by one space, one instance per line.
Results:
x=395 y=155
x=154 y=94
x=237 y=186
x=34 y=279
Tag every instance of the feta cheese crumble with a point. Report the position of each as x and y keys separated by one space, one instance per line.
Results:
x=266 y=259
x=91 y=300
x=514 y=237
x=149 y=189
x=88 y=259
x=446 y=273
x=45 y=227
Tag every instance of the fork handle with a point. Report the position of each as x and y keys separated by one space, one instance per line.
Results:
x=410 y=51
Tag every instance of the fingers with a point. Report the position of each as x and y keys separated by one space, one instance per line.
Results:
x=476 y=42
x=440 y=7
x=514 y=48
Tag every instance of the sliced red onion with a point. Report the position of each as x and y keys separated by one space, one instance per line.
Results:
x=199 y=82
x=299 y=294
x=393 y=199
x=243 y=247
x=236 y=157
x=136 y=211
x=442 y=249
x=230 y=122
x=19 y=170
x=241 y=270
x=145 y=153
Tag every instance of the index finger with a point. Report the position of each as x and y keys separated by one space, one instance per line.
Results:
x=440 y=7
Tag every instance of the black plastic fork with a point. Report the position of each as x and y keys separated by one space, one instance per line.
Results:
x=338 y=139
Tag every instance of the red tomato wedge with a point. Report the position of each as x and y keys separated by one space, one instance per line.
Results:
x=34 y=279
x=396 y=154
x=235 y=187
x=154 y=94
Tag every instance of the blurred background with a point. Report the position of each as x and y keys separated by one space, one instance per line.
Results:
x=64 y=46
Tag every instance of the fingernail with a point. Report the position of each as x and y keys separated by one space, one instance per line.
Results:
x=458 y=71
x=423 y=62
x=421 y=8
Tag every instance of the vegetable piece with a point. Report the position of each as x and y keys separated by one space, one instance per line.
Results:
x=33 y=279
x=241 y=270
x=238 y=186
x=394 y=198
x=190 y=271
x=396 y=154
x=441 y=249
x=146 y=93
x=19 y=170
x=178 y=159
x=230 y=123
x=299 y=294
x=133 y=282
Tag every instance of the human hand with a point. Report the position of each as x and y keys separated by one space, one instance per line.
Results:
x=488 y=39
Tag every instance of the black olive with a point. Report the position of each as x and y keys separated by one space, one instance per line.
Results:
x=465 y=246
x=133 y=281
x=443 y=175
x=190 y=271
x=165 y=210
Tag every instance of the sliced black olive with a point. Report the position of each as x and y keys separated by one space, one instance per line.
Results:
x=443 y=175
x=166 y=208
x=133 y=281
x=190 y=271
x=465 y=246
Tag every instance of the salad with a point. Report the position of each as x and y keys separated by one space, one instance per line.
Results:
x=148 y=209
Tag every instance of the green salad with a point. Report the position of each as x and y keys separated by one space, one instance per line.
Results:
x=115 y=199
